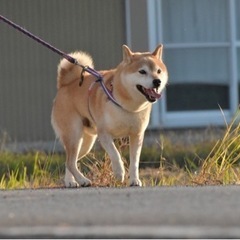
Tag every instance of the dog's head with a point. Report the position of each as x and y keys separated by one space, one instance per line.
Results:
x=144 y=74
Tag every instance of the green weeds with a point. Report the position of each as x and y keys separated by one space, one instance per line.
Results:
x=164 y=164
x=31 y=170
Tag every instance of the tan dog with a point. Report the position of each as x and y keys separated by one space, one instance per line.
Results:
x=80 y=114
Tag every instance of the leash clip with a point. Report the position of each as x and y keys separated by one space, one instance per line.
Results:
x=99 y=79
x=84 y=68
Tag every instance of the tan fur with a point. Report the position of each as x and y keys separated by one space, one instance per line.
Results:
x=80 y=115
x=67 y=72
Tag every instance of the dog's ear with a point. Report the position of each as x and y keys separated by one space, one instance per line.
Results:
x=127 y=53
x=158 y=52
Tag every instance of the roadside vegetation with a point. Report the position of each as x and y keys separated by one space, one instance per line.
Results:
x=163 y=164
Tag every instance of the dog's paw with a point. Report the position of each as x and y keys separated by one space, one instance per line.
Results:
x=84 y=182
x=135 y=183
x=119 y=176
x=69 y=180
x=71 y=184
x=119 y=173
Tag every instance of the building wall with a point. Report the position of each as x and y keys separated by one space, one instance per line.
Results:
x=28 y=70
x=137 y=26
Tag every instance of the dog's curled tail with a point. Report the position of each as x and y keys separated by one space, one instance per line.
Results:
x=68 y=72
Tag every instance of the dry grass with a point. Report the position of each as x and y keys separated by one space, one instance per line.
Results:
x=211 y=163
x=222 y=164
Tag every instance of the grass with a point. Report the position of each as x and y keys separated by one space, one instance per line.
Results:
x=31 y=170
x=164 y=164
x=222 y=164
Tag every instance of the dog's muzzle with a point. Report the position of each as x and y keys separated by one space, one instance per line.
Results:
x=156 y=83
x=151 y=94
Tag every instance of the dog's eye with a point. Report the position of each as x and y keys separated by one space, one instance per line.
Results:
x=159 y=71
x=142 y=71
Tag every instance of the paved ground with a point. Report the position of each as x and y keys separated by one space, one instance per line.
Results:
x=167 y=212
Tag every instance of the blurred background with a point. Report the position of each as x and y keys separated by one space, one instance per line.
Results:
x=201 y=50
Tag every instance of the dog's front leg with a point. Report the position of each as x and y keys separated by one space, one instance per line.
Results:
x=136 y=142
x=117 y=163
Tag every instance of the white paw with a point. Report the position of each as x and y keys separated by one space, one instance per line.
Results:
x=84 y=182
x=119 y=175
x=71 y=184
x=135 y=182
x=119 y=172
x=69 y=180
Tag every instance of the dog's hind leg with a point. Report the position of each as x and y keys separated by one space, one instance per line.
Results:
x=77 y=144
x=117 y=163
x=73 y=177
x=85 y=148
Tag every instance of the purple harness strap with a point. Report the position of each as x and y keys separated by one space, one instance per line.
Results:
x=64 y=55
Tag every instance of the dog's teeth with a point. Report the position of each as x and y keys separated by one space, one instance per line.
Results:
x=153 y=93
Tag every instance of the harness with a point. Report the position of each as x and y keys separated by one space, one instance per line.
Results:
x=108 y=93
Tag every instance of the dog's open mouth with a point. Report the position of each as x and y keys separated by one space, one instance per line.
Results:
x=150 y=93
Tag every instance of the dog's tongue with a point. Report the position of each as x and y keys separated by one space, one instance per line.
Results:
x=151 y=92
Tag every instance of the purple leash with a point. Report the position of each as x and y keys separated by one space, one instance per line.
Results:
x=64 y=55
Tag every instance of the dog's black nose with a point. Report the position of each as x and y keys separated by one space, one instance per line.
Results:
x=156 y=83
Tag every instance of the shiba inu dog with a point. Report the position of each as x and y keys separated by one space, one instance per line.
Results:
x=80 y=114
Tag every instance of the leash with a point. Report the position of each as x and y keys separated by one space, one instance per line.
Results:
x=66 y=56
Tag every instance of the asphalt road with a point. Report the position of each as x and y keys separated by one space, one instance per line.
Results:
x=163 y=212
